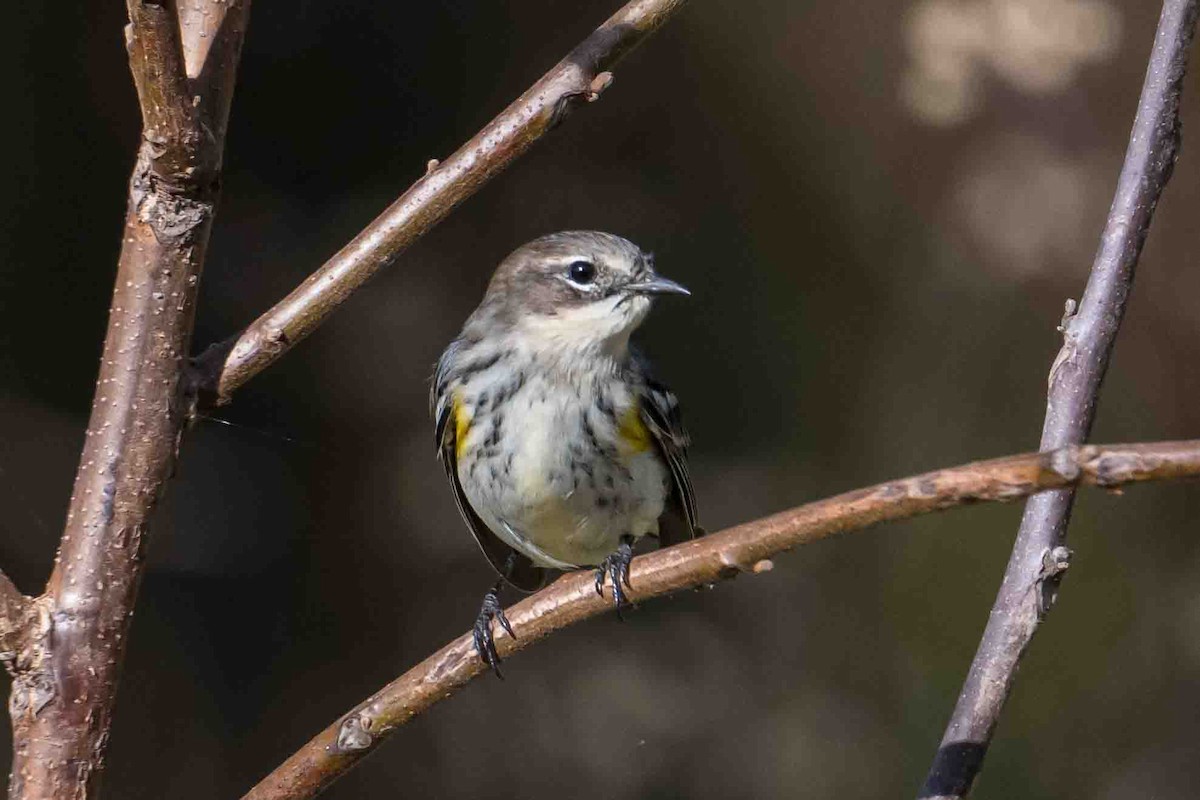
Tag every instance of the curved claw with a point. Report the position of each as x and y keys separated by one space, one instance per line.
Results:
x=616 y=567
x=624 y=571
x=485 y=647
x=503 y=620
x=485 y=643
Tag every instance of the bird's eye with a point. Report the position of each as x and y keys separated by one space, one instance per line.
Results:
x=581 y=272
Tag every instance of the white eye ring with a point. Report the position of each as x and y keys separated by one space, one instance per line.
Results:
x=581 y=272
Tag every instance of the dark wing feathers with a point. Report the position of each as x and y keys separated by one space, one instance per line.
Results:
x=511 y=565
x=660 y=413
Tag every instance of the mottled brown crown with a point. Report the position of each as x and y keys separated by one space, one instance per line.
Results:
x=529 y=280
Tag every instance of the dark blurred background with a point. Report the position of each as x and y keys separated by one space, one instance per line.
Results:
x=880 y=207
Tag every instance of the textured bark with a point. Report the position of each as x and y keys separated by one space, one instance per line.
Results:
x=579 y=77
x=14 y=614
x=68 y=665
x=1040 y=556
x=745 y=548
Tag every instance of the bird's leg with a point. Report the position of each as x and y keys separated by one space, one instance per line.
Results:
x=616 y=567
x=485 y=645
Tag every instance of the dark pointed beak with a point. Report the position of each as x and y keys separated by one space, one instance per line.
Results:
x=657 y=284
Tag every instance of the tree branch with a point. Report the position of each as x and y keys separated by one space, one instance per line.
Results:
x=14 y=609
x=581 y=76
x=744 y=548
x=1039 y=554
x=66 y=672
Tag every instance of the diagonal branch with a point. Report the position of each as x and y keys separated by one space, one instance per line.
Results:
x=744 y=548
x=581 y=76
x=66 y=670
x=1075 y=379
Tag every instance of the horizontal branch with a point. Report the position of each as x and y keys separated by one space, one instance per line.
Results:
x=581 y=76
x=743 y=548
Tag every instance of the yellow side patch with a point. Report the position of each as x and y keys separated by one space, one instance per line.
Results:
x=462 y=425
x=631 y=431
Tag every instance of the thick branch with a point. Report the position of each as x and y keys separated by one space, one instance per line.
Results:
x=170 y=123
x=1075 y=379
x=66 y=673
x=580 y=76
x=14 y=608
x=744 y=548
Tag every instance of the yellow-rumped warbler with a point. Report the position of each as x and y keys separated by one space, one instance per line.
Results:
x=561 y=448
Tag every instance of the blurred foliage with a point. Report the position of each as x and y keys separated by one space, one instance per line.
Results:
x=876 y=292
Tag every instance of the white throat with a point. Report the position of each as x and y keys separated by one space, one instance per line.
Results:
x=596 y=330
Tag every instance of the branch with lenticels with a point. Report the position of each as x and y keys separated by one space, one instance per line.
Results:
x=581 y=76
x=745 y=548
x=65 y=647
x=66 y=658
x=1040 y=556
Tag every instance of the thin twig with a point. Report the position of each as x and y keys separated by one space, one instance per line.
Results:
x=66 y=672
x=581 y=76
x=1040 y=557
x=745 y=548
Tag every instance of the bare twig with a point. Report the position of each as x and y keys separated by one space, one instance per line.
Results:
x=744 y=548
x=581 y=76
x=67 y=669
x=1040 y=557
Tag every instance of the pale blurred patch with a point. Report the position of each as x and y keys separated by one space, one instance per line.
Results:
x=1036 y=46
x=1026 y=204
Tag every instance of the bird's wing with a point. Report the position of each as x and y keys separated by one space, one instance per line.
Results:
x=660 y=413
x=513 y=566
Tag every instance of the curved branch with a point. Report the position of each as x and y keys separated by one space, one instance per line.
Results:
x=743 y=548
x=69 y=661
x=1075 y=379
x=581 y=76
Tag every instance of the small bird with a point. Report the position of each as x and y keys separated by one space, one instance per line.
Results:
x=560 y=446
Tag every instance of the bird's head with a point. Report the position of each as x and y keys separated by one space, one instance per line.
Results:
x=576 y=290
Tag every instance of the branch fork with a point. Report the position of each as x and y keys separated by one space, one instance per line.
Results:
x=68 y=653
x=65 y=647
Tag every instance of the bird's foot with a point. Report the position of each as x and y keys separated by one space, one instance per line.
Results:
x=485 y=645
x=616 y=567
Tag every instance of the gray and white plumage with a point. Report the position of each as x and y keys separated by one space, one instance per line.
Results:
x=556 y=439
